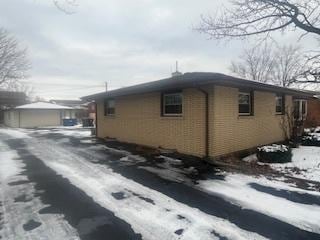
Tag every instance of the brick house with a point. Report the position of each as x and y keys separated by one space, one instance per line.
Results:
x=201 y=114
x=313 y=112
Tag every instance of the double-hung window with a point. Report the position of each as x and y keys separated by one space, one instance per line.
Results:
x=245 y=101
x=172 y=104
x=280 y=104
x=109 y=107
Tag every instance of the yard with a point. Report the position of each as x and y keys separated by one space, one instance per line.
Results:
x=61 y=183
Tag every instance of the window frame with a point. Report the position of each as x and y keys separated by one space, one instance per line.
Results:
x=301 y=116
x=106 y=107
x=163 y=105
x=283 y=104
x=251 y=102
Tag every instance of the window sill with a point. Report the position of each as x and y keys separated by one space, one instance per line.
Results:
x=110 y=116
x=172 y=117
x=245 y=116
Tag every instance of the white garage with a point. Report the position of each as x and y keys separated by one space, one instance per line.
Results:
x=39 y=114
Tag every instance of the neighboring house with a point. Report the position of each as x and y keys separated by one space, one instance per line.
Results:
x=313 y=112
x=92 y=110
x=201 y=114
x=80 y=108
x=37 y=114
x=10 y=99
x=68 y=103
x=307 y=111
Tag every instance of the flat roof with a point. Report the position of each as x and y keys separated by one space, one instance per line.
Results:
x=195 y=80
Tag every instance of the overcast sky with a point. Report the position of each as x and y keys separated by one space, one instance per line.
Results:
x=123 y=42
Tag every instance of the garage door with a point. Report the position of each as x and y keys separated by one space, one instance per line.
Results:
x=40 y=118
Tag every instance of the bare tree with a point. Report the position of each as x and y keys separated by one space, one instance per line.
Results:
x=257 y=17
x=245 y=18
x=66 y=6
x=312 y=72
x=256 y=63
x=279 y=65
x=289 y=125
x=19 y=86
x=289 y=64
x=13 y=60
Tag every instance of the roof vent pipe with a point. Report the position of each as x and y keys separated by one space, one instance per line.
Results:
x=176 y=73
x=106 y=84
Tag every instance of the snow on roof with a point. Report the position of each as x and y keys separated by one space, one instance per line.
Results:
x=42 y=105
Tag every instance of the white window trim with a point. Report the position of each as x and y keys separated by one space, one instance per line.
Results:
x=164 y=105
x=250 y=110
x=302 y=116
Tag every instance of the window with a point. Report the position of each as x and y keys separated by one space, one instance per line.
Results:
x=280 y=104
x=109 y=107
x=245 y=103
x=300 y=109
x=172 y=104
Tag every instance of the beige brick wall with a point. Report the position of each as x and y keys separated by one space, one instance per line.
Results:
x=138 y=120
x=232 y=132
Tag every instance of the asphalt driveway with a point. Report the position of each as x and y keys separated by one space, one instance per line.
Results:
x=65 y=184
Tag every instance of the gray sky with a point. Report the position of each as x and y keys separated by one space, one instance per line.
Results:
x=123 y=42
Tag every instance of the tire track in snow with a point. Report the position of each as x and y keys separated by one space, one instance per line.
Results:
x=255 y=220
x=158 y=221
x=89 y=221
x=21 y=204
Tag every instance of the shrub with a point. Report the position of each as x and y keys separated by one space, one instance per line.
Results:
x=311 y=137
x=311 y=140
x=274 y=154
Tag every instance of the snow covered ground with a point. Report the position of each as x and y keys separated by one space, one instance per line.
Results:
x=238 y=189
x=305 y=163
x=20 y=205
x=136 y=206
x=151 y=212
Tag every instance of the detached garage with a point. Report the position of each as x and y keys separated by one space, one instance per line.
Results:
x=39 y=114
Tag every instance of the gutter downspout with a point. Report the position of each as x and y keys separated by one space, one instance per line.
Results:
x=19 y=118
x=206 y=95
x=96 y=120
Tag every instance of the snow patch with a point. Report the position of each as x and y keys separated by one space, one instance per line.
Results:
x=132 y=159
x=172 y=161
x=149 y=219
x=21 y=205
x=250 y=158
x=42 y=105
x=9 y=167
x=236 y=189
x=305 y=163
x=274 y=148
x=14 y=133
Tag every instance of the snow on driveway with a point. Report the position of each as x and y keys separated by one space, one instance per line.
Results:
x=245 y=191
x=19 y=205
x=238 y=189
x=153 y=214
x=131 y=201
